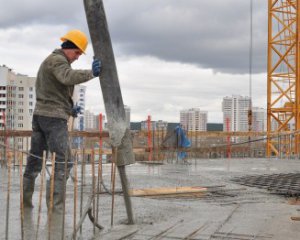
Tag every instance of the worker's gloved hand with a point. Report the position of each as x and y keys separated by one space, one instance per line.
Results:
x=76 y=110
x=96 y=67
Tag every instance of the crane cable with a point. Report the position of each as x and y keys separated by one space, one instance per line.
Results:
x=250 y=67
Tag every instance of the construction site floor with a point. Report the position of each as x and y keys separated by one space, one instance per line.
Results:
x=225 y=209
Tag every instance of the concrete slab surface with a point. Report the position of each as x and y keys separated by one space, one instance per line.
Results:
x=228 y=210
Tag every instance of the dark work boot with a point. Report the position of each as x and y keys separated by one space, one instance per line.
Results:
x=28 y=189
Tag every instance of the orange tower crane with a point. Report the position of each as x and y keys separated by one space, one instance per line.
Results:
x=283 y=96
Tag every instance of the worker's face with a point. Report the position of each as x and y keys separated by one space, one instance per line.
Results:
x=72 y=54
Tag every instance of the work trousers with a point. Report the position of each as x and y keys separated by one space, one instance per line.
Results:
x=50 y=135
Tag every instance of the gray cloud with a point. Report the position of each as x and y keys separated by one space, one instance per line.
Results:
x=171 y=55
x=17 y=13
x=210 y=34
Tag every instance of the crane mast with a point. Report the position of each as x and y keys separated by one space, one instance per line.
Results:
x=283 y=123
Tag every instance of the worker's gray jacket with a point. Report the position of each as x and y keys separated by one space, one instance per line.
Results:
x=55 y=85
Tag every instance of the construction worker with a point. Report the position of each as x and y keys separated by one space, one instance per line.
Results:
x=54 y=106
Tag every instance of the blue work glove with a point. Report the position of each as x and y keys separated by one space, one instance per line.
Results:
x=96 y=67
x=76 y=110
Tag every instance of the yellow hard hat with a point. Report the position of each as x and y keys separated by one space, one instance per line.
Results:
x=77 y=37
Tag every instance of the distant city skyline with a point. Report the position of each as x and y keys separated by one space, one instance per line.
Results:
x=81 y=98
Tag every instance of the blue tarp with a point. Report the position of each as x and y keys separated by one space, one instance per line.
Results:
x=182 y=142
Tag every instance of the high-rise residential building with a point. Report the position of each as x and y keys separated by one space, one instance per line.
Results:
x=259 y=119
x=79 y=100
x=17 y=99
x=6 y=74
x=235 y=113
x=90 y=120
x=193 y=119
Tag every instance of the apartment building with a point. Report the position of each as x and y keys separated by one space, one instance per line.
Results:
x=235 y=113
x=259 y=119
x=79 y=99
x=17 y=99
x=193 y=119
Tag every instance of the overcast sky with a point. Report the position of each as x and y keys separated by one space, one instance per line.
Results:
x=170 y=54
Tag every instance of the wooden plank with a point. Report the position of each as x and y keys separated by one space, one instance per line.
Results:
x=294 y=201
x=294 y=218
x=165 y=191
x=152 y=162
